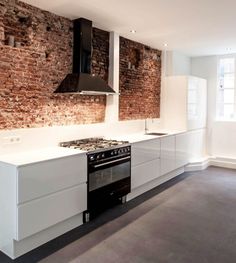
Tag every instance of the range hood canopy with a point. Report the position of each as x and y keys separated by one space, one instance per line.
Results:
x=81 y=81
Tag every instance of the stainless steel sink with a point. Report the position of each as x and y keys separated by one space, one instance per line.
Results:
x=156 y=133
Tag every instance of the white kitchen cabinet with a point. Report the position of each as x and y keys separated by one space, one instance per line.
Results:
x=39 y=214
x=197 y=145
x=43 y=178
x=144 y=173
x=167 y=154
x=40 y=201
x=196 y=103
x=182 y=144
x=145 y=151
x=184 y=103
x=50 y=192
x=145 y=162
x=190 y=147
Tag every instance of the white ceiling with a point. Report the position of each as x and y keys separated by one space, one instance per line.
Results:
x=194 y=27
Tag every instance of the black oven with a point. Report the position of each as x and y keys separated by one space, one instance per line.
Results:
x=109 y=179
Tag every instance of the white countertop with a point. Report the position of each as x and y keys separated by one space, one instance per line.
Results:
x=39 y=155
x=44 y=154
x=138 y=137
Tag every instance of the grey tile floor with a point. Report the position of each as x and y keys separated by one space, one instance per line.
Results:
x=191 y=219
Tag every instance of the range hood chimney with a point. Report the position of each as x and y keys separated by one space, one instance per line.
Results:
x=81 y=81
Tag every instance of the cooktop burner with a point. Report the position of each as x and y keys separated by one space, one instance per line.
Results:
x=92 y=144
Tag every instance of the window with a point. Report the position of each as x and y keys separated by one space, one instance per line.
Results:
x=226 y=106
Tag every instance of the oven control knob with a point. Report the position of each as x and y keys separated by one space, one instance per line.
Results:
x=115 y=152
x=103 y=155
x=112 y=153
x=91 y=158
x=98 y=157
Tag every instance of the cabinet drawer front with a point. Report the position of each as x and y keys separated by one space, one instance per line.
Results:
x=40 y=179
x=145 y=151
x=182 y=144
x=42 y=213
x=144 y=173
x=167 y=154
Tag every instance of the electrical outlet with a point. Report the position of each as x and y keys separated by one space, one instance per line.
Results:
x=11 y=140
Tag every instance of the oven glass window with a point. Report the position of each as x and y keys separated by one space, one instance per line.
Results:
x=106 y=176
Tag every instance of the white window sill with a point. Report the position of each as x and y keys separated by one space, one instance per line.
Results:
x=225 y=120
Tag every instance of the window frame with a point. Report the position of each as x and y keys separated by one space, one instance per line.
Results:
x=220 y=118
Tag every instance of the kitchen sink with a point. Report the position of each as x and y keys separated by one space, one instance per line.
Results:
x=156 y=133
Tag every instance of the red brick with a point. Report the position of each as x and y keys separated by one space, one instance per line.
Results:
x=140 y=87
x=28 y=78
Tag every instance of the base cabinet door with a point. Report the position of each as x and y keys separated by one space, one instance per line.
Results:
x=167 y=154
x=144 y=173
x=182 y=147
x=197 y=145
x=39 y=214
x=145 y=151
x=44 y=178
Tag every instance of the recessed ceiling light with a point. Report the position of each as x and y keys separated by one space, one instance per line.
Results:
x=165 y=45
x=133 y=31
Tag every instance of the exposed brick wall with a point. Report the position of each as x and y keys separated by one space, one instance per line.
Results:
x=30 y=74
x=100 y=58
x=140 y=81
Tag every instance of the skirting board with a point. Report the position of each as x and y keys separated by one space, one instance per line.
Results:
x=46 y=235
x=148 y=186
x=223 y=162
x=198 y=165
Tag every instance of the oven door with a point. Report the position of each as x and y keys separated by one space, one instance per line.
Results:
x=108 y=172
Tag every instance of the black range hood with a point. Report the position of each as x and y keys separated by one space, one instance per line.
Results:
x=81 y=81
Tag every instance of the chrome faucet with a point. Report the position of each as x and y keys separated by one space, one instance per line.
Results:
x=146 y=128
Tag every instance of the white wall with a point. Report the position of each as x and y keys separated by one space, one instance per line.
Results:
x=177 y=64
x=224 y=139
x=221 y=136
x=35 y=138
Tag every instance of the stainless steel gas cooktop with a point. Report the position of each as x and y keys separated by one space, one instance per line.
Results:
x=92 y=144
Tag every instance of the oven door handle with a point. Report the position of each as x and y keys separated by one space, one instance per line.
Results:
x=112 y=162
